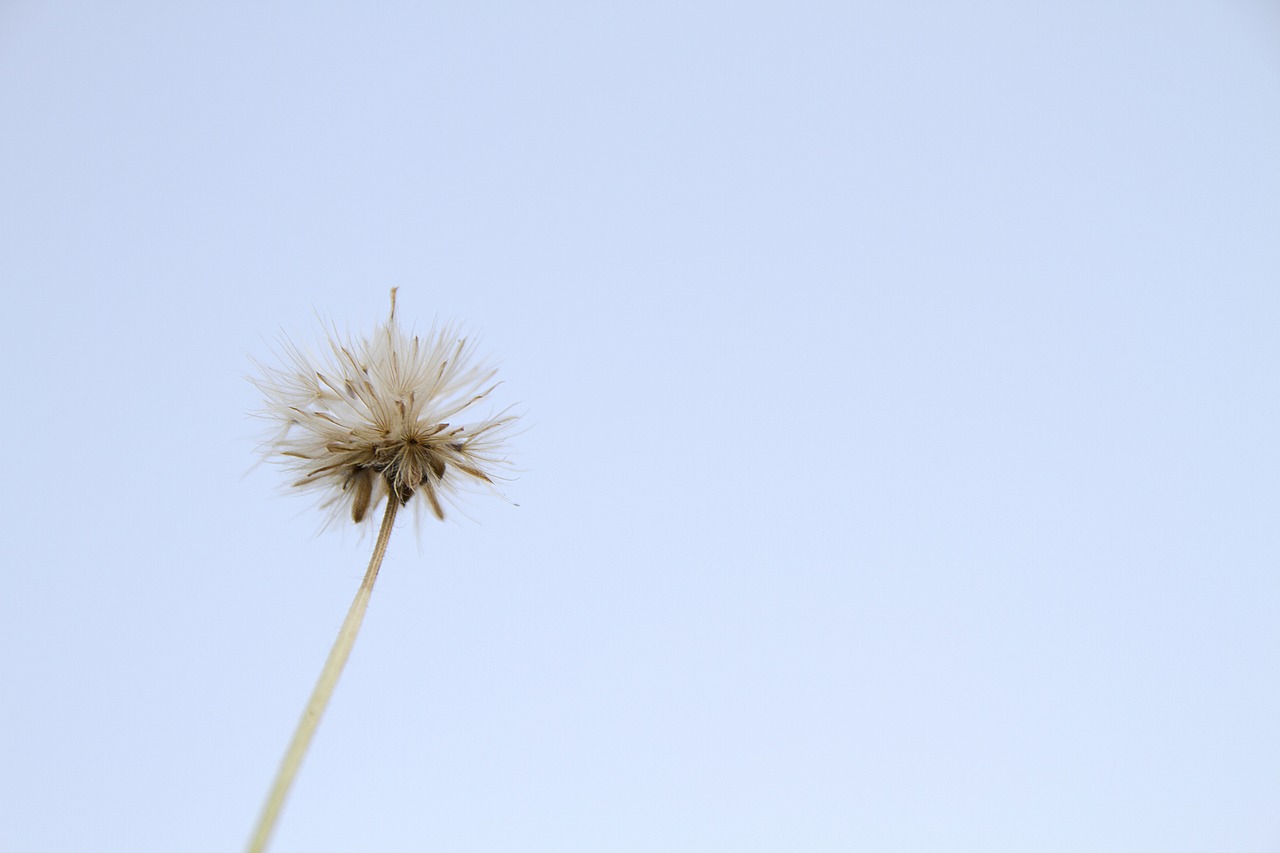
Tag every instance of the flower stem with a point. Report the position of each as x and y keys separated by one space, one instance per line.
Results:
x=324 y=688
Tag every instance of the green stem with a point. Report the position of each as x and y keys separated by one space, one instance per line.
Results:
x=324 y=688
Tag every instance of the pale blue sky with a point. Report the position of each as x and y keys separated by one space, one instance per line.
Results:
x=902 y=469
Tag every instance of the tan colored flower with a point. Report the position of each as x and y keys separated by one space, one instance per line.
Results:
x=377 y=417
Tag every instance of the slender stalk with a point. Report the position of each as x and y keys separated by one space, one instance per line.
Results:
x=324 y=688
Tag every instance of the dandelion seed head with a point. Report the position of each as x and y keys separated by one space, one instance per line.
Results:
x=384 y=418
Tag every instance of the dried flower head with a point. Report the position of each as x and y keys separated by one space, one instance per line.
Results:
x=374 y=419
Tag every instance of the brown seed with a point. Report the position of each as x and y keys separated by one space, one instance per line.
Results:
x=364 y=491
x=432 y=499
